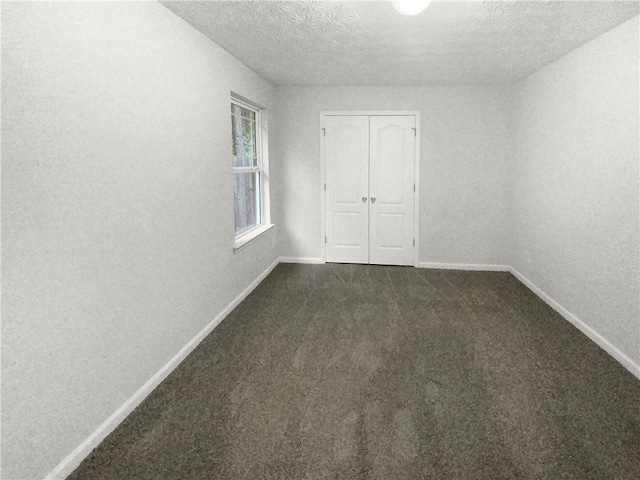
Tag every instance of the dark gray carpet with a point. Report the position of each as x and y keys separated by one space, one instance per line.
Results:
x=370 y=372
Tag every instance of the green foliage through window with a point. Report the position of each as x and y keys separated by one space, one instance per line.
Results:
x=246 y=168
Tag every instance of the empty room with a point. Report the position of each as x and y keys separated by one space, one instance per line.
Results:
x=320 y=240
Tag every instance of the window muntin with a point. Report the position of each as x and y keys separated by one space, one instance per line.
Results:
x=247 y=167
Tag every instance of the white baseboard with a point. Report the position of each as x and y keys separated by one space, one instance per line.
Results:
x=311 y=260
x=465 y=266
x=71 y=462
x=605 y=344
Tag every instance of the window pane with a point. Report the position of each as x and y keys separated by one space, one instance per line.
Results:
x=247 y=201
x=243 y=134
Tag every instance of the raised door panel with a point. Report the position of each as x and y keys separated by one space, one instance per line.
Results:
x=392 y=178
x=347 y=176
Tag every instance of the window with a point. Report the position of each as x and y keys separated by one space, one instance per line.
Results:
x=249 y=174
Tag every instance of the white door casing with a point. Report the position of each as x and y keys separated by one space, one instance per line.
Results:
x=391 y=190
x=370 y=167
x=347 y=185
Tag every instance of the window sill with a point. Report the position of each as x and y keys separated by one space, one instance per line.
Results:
x=246 y=238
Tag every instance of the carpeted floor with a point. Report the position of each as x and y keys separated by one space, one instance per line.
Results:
x=370 y=372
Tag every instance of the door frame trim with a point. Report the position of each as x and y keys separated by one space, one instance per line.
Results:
x=416 y=167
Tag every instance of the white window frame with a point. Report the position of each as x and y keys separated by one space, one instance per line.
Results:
x=262 y=168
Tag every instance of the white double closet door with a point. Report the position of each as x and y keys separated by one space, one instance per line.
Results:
x=369 y=189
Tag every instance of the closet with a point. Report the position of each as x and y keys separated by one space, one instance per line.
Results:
x=369 y=188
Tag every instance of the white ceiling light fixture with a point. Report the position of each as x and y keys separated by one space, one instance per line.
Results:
x=410 y=7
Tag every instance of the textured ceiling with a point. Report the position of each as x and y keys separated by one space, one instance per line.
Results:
x=369 y=43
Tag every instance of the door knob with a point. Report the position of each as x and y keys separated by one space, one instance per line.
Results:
x=364 y=199
x=373 y=199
